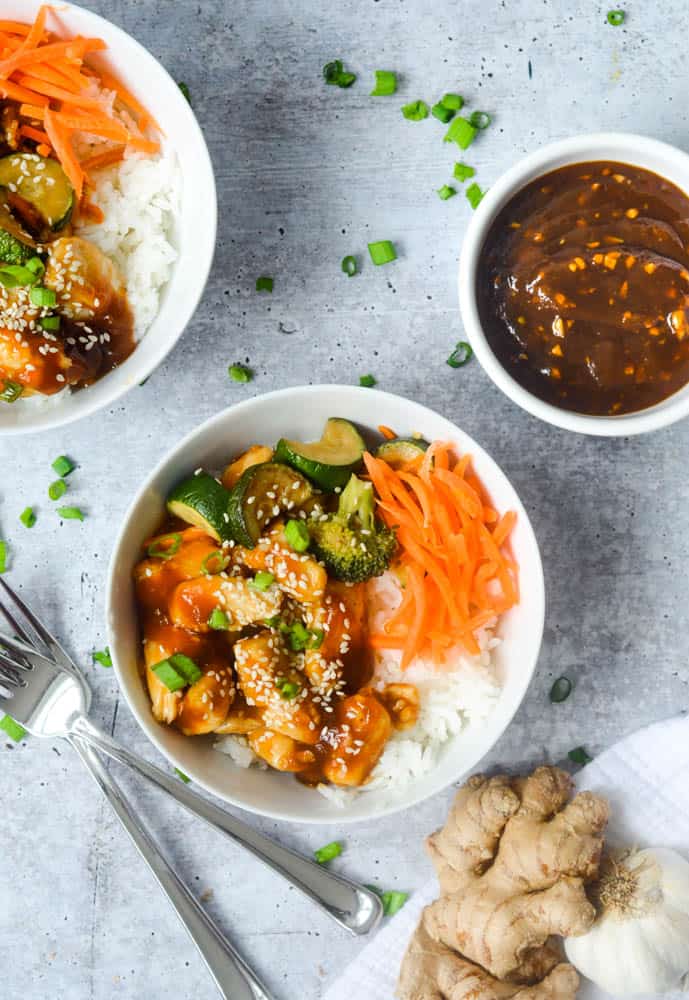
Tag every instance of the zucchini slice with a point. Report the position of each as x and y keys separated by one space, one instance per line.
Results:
x=201 y=500
x=262 y=494
x=329 y=462
x=42 y=182
x=400 y=452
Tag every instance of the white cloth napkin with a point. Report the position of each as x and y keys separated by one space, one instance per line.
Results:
x=645 y=779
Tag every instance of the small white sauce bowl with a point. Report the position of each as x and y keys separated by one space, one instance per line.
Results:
x=193 y=236
x=301 y=413
x=659 y=157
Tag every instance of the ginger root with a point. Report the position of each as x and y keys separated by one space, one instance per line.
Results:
x=512 y=861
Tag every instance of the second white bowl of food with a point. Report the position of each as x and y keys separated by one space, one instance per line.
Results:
x=122 y=240
x=466 y=700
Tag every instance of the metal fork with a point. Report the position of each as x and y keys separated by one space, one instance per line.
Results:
x=41 y=688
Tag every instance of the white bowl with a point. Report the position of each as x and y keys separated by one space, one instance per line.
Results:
x=301 y=413
x=659 y=157
x=193 y=238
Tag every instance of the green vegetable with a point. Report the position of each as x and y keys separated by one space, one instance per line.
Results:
x=17 y=276
x=50 y=322
x=185 y=90
x=463 y=172
x=250 y=507
x=218 y=620
x=28 y=517
x=70 y=513
x=442 y=113
x=367 y=381
x=579 y=756
x=63 y=465
x=36 y=266
x=335 y=74
x=327 y=853
x=330 y=461
x=462 y=353
x=167 y=675
x=297 y=535
x=185 y=667
x=386 y=83
x=240 y=373
x=262 y=580
x=452 y=101
x=446 y=192
x=415 y=111
x=480 y=119
x=288 y=689
x=215 y=562
x=351 y=544
x=349 y=266
x=202 y=501
x=43 y=297
x=264 y=284
x=616 y=18
x=393 y=902
x=47 y=189
x=165 y=547
x=474 y=195
x=182 y=776
x=3 y=557
x=11 y=391
x=462 y=132
x=401 y=451
x=382 y=252
x=57 y=489
x=102 y=656
x=561 y=690
x=15 y=244
x=12 y=728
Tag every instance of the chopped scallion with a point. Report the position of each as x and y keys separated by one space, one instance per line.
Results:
x=382 y=252
x=480 y=119
x=616 y=18
x=442 y=113
x=57 y=489
x=446 y=191
x=327 y=853
x=36 y=266
x=561 y=690
x=3 y=556
x=63 y=465
x=12 y=728
x=218 y=620
x=461 y=131
x=579 y=756
x=240 y=373
x=186 y=667
x=463 y=172
x=415 y=111
x=367 y=381
x=182 y=776
x=335 y=74
x=349 y=266
x=474 y=195
x=50 y=322
x=71 y=513
x=102 y=656
x=317 y=638
x=298 y=637
x=44 y=297
x=264 y=284
x=165 y=546
x=11 y=391
x=393 y=902
x=386 y=83
x=28 y=517
x=288 y=689
x=215 y=562
x=462 y=353
x=262 y=580
x=185 y=90
x=297 y=535
x=452 y=101
x=167 y=675
x=17 y=276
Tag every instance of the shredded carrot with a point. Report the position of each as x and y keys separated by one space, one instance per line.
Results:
x=93 y=124
x=43 y=150
x=35 y=134
x=460 y=574
x=106 y=159
x=13 y=92
x=90 y=211
x=31 y=111
x=386 y=432
x=15 y=27
x=59 y=138
x=144 y=145
x=145 y=119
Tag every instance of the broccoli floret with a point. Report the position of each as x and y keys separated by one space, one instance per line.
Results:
x=351 y=543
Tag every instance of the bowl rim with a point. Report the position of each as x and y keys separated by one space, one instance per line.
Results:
x=105 y=395
x=626 y=147
x=241 y=411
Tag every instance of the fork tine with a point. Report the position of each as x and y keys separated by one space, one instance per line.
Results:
x=10 y=670
x=17 y=646
x=14 y=624
x=49 y=641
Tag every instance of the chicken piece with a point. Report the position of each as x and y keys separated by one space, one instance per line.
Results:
x=343 y=660
x=255 y=455
x=193 y=601
x=361 y=729
x=160 y=642
x=155 y=577
x=298 y=575
x=280 y=751
x=87 y=282
x=268 y=679
x=402 y=702
x=242 y=719
x=37 y=363
x=206 y=703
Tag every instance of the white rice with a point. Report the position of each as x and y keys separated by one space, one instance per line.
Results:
x=453 y=699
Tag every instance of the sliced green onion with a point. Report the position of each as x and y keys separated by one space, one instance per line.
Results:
x=186 y=668
x=349 y=266
x=240 y=373
x=182 y=776
x=262 y=580
x=446 y=191
x=185 y=90
x=561 y=690
x=63 y=465
x=463 y=172
x=36 y=266
x=50 y=322
x=44 y=297
x=218 y=620
x=393 y=902
x=168 y=676
x=442 y=113
x=579 y=756
x=367 y=381
x=57 y=489
x=3 y=557
x=288 y=689
x=264 y=284
x=165 y=547
x=11 y=391
x=12 y=728
x=102 y=656
x=215 y=562
x=17 y=276
x=452 y=101
x=327 y=853
x=616 y=18
x=480 y=119
x=317 y=638
x=297 y=535
x=415 y=111
x=386 y=83
x=462 y=353
x=335 y=74
x=299 y=637
x=462 y=132
x=28 y=517
x=70 y=513
x=274 y=622
x=382 y=252
x=474 y=195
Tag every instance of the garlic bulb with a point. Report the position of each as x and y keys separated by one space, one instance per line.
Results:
x=639 y=942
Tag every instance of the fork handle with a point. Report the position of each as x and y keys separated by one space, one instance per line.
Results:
x=233 y=977
x=352 y=906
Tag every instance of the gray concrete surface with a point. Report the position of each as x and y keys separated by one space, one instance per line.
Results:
x=306 y=174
